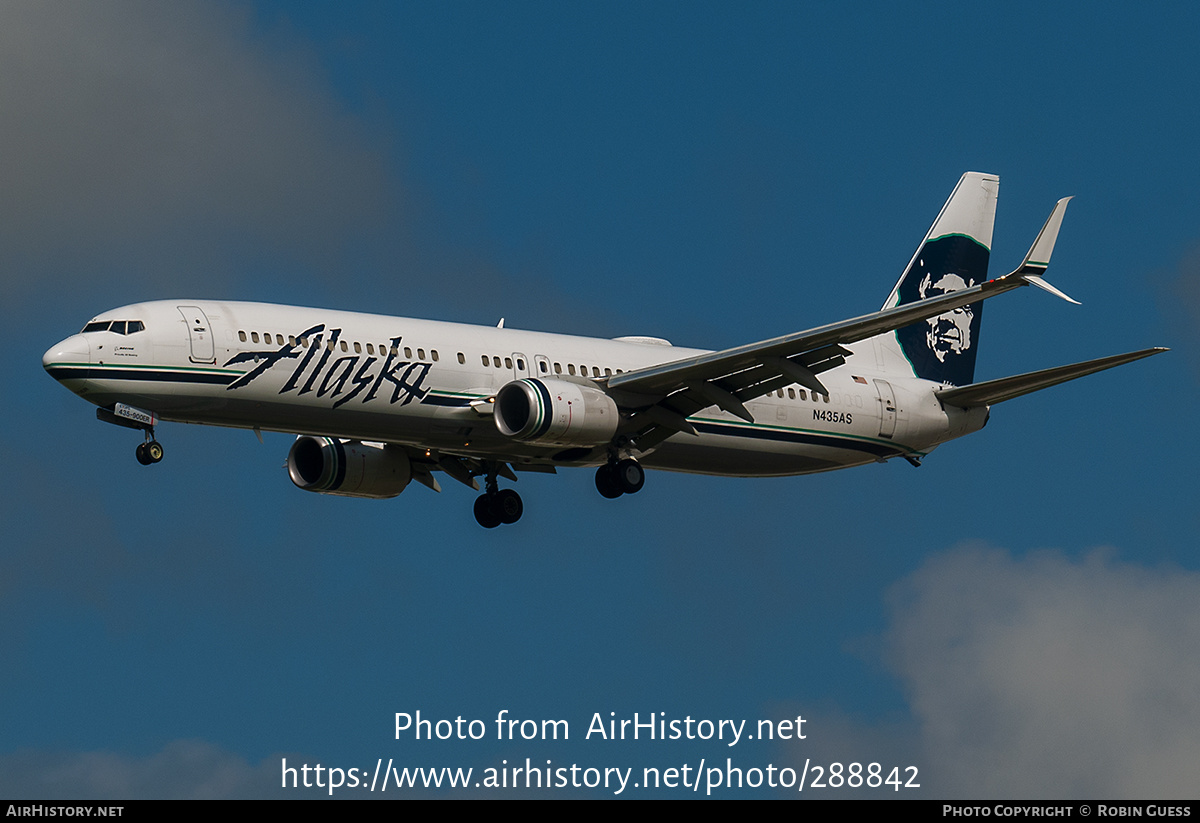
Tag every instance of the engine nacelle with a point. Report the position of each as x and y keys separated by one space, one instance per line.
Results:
x=555 y=412
x=330 y=466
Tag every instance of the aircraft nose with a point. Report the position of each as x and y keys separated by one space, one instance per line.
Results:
x=67 y=358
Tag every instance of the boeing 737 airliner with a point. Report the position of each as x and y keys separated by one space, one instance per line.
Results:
x=380 y=401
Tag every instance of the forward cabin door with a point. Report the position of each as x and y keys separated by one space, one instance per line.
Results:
x=199 y=334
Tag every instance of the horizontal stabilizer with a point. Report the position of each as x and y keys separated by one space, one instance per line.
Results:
x=1006 y=388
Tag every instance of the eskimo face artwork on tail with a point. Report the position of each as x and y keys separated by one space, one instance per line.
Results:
x=942 y=348
x=948 y=333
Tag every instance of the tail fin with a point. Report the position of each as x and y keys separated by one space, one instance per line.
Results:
x=953 y=256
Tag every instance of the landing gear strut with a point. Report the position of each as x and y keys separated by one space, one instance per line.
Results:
x=620 y=477
x=496 y=506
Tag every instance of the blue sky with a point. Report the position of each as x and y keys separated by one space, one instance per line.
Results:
x=1017 y=618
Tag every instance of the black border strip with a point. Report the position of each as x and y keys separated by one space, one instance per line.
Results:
x=118 y=373
x=805 y=438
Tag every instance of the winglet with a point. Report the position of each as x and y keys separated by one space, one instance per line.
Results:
x=1038 y=260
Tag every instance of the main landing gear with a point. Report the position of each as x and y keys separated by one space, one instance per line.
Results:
x=149 y=452
x=620 y=477
x=496 y=506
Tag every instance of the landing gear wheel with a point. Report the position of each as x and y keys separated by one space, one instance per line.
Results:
x=485 y=513
x=630 y=475
x=508 y=506
x=606 y=482
x=149 y=452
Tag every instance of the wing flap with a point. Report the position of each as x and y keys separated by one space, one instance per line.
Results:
x=1006 y=388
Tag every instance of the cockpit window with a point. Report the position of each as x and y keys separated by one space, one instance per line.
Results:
x=116 y=326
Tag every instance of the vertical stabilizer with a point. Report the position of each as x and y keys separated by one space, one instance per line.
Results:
x=953 y=256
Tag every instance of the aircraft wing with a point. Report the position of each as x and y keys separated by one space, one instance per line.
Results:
x=669 y=377
x=662 y=397
x=1006 y=388
x=665 y=395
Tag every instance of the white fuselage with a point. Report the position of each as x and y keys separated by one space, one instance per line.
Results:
x=429 y=385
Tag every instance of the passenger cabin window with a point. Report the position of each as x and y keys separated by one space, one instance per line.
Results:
x=485 y=360
x=254 y=337
x=542 y=365
x=461 y=360
x=508 y=362
x=408 y=352
x=434 y=355
x=420 y=354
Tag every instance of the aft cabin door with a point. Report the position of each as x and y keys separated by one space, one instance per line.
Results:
x=199 y=333
x=887 y=408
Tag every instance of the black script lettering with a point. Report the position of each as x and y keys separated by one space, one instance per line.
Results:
x=308 y=356
x=334 y=334
x=338 y=381
x=361 y=381
x=266 y=359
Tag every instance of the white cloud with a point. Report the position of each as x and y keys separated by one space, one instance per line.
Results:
x=1035 y=677
x=183 y=769
x=1045 y=676
x=160 y=135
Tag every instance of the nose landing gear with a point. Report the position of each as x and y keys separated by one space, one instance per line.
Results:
x=129 y=417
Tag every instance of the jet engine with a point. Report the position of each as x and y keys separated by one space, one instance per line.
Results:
x=555 y=412
x=350 y=468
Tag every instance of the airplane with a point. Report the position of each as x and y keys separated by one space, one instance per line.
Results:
x=377 y=402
